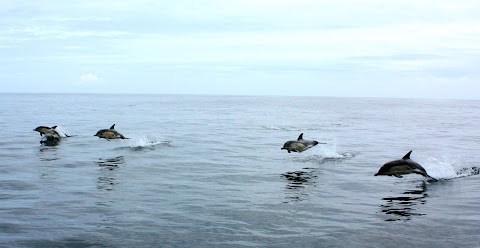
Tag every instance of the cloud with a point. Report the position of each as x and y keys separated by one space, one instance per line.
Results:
x=356 y=44
x=89 y=77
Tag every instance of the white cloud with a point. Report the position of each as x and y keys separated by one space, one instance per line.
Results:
x=89 y=77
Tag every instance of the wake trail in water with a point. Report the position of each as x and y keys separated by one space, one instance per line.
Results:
x=449 y=169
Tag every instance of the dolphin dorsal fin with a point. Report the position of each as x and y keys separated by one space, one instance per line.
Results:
x=54 y=127
x=407 y=156
x=300 y=137
x=113 y=126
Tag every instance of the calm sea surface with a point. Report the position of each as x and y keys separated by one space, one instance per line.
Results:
x=207 y=171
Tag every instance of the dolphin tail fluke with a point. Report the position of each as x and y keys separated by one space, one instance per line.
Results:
x=407 y=156
x=432 y=179
x=300 y=137
x=113 y=126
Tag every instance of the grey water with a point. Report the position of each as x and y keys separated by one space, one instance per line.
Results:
x=208 y=171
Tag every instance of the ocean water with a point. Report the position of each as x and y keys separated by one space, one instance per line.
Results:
x=207 y=171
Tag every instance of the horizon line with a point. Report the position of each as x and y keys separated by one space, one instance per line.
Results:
x=232 y=95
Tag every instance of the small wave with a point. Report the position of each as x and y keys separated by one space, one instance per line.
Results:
x=301 y=129
x=272 y=127
x=145 y=142
x=287 y=128
x=339 y=125
x=470 y=171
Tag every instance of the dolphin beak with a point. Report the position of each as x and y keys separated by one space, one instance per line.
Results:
x=376 y=174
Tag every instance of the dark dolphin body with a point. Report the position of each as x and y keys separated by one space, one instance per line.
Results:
x=51 y=136
x=47 y=131
x=402 y=167
x=299 y=145
x=109 y=134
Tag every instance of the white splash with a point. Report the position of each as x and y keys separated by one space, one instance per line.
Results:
x=329 y=151
x=447 y=168
x=146 y=141
x=61 y=131
x=324 y=153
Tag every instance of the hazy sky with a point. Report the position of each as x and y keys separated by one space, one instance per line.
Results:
x=407 y=48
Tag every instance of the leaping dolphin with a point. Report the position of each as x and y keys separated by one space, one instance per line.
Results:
x=50 y=134
x=403 y=166
x=109 y=134
x=47 y=131
x=299 y=145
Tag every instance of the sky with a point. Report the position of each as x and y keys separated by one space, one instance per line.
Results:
x=348 y=48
